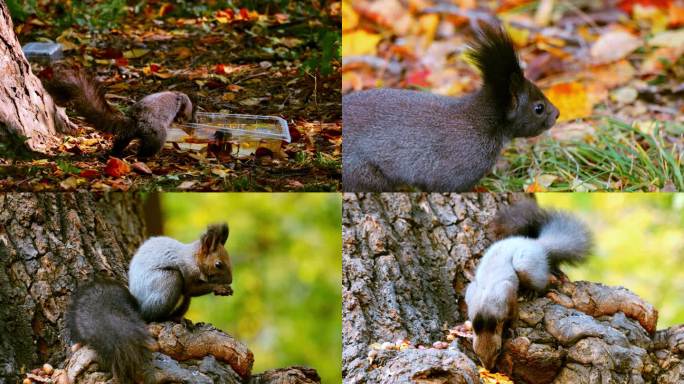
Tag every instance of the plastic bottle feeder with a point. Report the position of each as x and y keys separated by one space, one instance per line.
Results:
x=240 y=135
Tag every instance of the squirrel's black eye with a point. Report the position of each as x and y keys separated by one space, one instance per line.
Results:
x=539 y=108
x=218 y=265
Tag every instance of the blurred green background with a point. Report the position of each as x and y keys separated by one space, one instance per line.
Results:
x=286 y=251
x=639 y=245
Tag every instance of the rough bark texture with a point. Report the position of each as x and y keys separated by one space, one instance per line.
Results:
x=49 y=243
x=407 y=259
x=26 y=109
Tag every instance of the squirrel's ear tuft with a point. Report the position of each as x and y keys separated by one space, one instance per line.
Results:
x=215 y=236
x=493 y=53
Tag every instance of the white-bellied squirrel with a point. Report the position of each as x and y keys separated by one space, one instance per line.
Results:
x=394 y=138
x=162 y=277
x=147 y=120
x=537 y=241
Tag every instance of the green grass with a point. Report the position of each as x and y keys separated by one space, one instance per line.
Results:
x=619 y=158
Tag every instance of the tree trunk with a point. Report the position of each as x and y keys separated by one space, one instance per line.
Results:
x=404 y=262
x=407 y=259
x=49 y=243
x=26 y=109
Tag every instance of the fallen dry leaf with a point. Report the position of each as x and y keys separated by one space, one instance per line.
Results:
x=570 y=99
x=360 y=43
x=614 y=46
x=493 y=378
x=142 y=168
x=117 y=168
x=187 y=184
x=671 y=39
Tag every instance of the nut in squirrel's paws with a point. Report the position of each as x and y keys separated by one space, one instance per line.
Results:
x=223 y=290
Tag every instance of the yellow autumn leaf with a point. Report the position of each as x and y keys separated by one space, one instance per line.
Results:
x=570 y=99
x=360 y=43
x=493 y=378
x=654 y=16
x=350 y=19
x=519 y=36
x=136 y=53
x=428 y=25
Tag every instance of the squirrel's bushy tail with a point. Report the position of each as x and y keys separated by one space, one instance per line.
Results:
x=71 y=85
x=565 y=237
x=105 y=316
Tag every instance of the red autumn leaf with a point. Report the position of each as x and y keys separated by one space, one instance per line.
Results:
x=108 y=53
x=121 y=62
x=227 y=13
x=419 y=78
x=220 y=69
x=116 y=167
x=89 y=173
x=628 y=5
x=244 y=13
x=154 y=68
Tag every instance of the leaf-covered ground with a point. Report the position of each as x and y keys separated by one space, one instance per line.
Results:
x=279 y=60
x=614 y=69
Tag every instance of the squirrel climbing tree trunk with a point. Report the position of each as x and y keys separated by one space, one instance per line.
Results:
x=407 y=259
x=27 y=112
x=48 y=244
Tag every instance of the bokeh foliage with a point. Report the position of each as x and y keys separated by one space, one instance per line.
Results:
x=287 y=268
x=639 y=245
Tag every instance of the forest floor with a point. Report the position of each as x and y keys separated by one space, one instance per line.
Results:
x=613 y=70
x=282 y=63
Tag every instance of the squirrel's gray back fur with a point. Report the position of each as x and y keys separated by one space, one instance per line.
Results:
x=152 y=116
x=395 y=138
x=104 y=316
x=159 y=270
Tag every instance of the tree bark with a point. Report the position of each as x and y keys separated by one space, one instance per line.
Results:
x=407 y=259
x=26 y=109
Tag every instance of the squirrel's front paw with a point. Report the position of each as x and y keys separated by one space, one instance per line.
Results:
x=223 y=290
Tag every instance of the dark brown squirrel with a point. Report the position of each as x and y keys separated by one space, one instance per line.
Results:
x=396 y=138
x=147 y=120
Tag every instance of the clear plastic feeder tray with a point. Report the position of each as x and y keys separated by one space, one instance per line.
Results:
x=245 y=133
